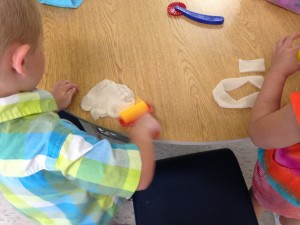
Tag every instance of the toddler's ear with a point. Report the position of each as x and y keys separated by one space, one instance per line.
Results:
x=19 y=57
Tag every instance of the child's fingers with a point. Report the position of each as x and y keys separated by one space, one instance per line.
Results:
x=289 y=40
x=295 y=50
x=68 y=86
x=69 y=94
x=71 y=91
x=281 y=42
x=64 y=86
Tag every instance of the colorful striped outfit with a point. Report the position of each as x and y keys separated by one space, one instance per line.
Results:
x=276 y=180
x=55 y=173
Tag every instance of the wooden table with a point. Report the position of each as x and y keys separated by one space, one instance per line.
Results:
x=172 y=63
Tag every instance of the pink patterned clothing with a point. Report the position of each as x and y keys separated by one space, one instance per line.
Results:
x=276 y=179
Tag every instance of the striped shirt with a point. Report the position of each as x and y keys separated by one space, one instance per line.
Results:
x=55 y=173
x=282 y=165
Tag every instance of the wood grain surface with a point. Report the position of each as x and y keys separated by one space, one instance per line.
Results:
x=171 y=62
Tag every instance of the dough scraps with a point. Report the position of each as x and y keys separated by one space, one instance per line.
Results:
x=255 y=65
x=224 y=100
x=107 y=98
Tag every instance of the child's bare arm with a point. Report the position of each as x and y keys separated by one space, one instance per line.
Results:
x=271 y=126
x=142 y=134
x=63 y=92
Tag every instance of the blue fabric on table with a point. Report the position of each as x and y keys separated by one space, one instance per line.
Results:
x=62 y=3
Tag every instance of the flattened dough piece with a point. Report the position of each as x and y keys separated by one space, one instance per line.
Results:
x=107 y=98
x=224 y=100
x=255 y=65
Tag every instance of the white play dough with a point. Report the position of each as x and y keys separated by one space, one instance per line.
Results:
x=225 y=100
x=254 y=65
x=107 y=98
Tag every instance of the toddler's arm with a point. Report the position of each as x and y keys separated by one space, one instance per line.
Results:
x=271 y=126
x=142 y=134
x=63 y=92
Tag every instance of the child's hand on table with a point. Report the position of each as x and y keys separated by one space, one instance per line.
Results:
x=284 y=60
x=63 y=92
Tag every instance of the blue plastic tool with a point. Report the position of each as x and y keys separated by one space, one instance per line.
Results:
x=178 y=8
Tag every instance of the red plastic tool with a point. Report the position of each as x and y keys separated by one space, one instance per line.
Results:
x=172 y=11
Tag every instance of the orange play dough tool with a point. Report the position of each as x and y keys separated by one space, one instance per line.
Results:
x=298 y=55
x=132 y=113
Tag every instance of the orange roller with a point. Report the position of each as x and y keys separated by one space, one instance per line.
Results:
x=134 y=112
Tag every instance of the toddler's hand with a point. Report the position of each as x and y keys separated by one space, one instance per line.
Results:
x=284 y=60
x=145 y=125
x=63 y=92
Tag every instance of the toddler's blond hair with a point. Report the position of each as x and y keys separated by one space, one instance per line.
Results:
x=20 y=22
